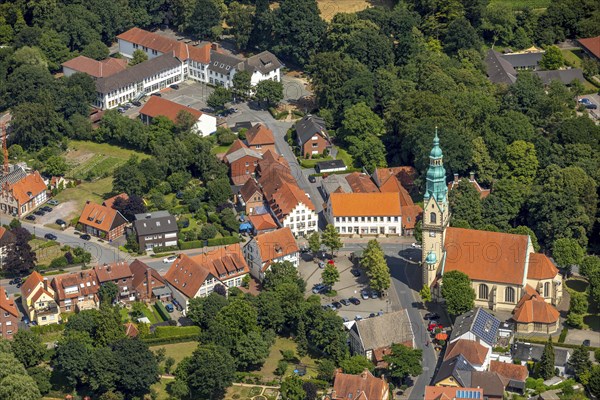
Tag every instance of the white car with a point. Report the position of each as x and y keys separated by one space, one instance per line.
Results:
x=170 y=259
x=416 y=245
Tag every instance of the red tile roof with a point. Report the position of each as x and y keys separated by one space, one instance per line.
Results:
x=111 y=201
x=86 y=283
x=483 y=193
x=512 y=371
x=449 y=393
x=486 y=256
x=276 y=244
x=99 y=217
x=97 y=69
x=249 y=189
x=39 y=294
x=410 y=216
x=533 y=308
x=361 y=183
x=142 y=273
x=285 y=198
x=7 y=304
x=473 y=351
x=31 y=283
x=406 y=175
x=112 y=272
x=262 y=222
x=540 y=267
x=131 y=330
x=156 y=106
x=259 y=134
x=27 y=188
x=359 y=387
x=591 y=44
x=365 y=204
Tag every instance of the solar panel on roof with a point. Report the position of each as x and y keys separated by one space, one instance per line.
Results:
x=467 y=394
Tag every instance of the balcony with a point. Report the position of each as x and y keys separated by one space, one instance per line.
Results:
x=51 y=310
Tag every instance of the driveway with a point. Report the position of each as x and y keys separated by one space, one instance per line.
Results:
x=61 y=211
x=577 y=336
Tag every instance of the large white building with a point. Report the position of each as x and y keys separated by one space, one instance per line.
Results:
x=365 y=213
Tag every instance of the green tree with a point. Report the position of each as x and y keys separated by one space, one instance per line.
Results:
x=499 y=22
x=520 y=162
x=203 y=310
x=580 y=362
x=330 y=275
x=240 y=18
x=360 y=121
x=29 y=56
x=268 y=91
x=465 y=203
x=373 y=261
x=425 y=294
x=546 y=365
x=331 y=239
x=72 y=357
x=590 y=266
x=102 y=373
x=404 y=361
x=218 y=191
x=136 y=365
x=54 y=48
x=108 y=292
x=356 y=364
x=20 y=259
x=242 y=84
x=291 y=388
x=458 y=293
x=368 y=151
x=28 y=348
x=208 y=372
x=418 y=232
x=218 y=98
x=579 y=303
x=567 y=252
x=484 y=167
x=524 y=230
x=461 y=35
x=283 y=273
x=99 y=51
x=594 y=381
x=139 y=56
x=41 y=376
x=314 y=242
x=56 y=166
x=19 y=387
x=552 y=59
x=251 y=350
x=205 y=22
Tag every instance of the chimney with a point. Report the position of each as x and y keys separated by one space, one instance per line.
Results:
x=214 y=46
x=108 y=268
x=148 y=215
x=45 y=284
x=472 y=176
x=455 y=178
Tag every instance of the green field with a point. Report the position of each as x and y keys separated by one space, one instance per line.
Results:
x=220 y=149
x=93 y=191
x=177 y=350
x=270 y=365
x=521 y=4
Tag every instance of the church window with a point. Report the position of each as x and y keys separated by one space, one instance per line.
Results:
x=432 y=218
x=483 y=292
x=547 y=289
x=509 y=295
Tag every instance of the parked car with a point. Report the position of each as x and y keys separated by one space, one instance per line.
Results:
x=40 y=212
x=364 y=294
x=170 y=259
x=416 y=245
x=345 y=319
x=345 y=302
x=358 y=318
x=136 y=103
x=337 y=305
x=169 y=308
x=30 y=217
x=321 y=264
x=374 y=294
x=121 y=110
x=587 y=343
x=355 y=272
x=156 y=94
x=432 y=316
x=208 y=110
x=85 y=236
x=317 y=288
x=588 y=103
x=174 y=86
x=53 y=202
x=354 y=301
x=50 y=236
x=60 y=222
x=19 y=285
x=47 y=208
x=312 y=179
x=372 y=315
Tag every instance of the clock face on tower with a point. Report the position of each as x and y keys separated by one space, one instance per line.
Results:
x=431 y=234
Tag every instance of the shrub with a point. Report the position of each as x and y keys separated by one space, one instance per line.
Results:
x=165 y=249
x=273 y=112
x=194 y=244
x=223 y=241
x=162 y=311
x=208 y=231
x=563 y=335
x=225 y=137
x=173 y=331
x=40 y=330
x=281 y=368
x=59 y=262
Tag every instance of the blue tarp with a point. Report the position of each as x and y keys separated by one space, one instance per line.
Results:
x=245 y=227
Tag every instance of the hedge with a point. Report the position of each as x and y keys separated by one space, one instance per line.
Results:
x=223 y=241
x=155 y=341
x=544 y=341
x=192 y=244
x=162 y=311
x=173 y=331
x=164 y=249
x=47 y=328
x=563 y=335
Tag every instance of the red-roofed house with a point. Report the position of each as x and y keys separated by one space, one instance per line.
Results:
x=24 y=195
x=260 y=138
x=77 y=291
x=591 y=46
x=38 y=300
x=242 y=162
x=359 y=387
x=483 y=193
x=104 y=222
x=251 y=197
x=148 y=284
x=9 y=316
x=271 y=247
x=452 y=393
x=405 y=175
x=157 y=106
x=120 y=274
x=262 y=223
x=94 y=68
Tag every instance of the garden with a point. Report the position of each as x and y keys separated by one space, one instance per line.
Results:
x=583 y=310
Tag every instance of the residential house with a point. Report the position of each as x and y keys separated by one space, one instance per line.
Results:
x=104 y=222
x=158 y=228
x=111 y=200
x=474 y=352
x=365 y=213
x=147 y=283
x=406 y=175
x=197 y=276
x=525 y=352
x=476 y=325
x=591 y=46
x=260 y=138
x=157 y=106
x=22 y=192
x=497 y=263
x=483 y=193
x=262 y=223
x=373 y=337
x=271 y=247
x=324 y=167
x=242 y=162
x=37 y=298
x=250 y=197
x=7 y=241
x=364 y=386
x=58 y=183
x=77 y=291
x=312 y=136
x=534 y=314
x=452 y=393
x=120 y=274
x=261 y=67
x=9 y=316
x=514 y=375
x=459 y=373
x=361 y=183
x=94 y=68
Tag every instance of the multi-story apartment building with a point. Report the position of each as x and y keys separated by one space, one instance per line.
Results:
x=271 y=247
x=120 y=274
x=9 y=316
x=77 y=291
x=158 y=228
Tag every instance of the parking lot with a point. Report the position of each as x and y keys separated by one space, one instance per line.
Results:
x=348 y=286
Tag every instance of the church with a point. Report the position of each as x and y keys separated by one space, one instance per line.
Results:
x=506 y=273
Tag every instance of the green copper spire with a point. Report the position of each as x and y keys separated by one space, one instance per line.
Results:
x=436 y=173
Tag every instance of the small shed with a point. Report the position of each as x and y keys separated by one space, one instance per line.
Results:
x=330 y=166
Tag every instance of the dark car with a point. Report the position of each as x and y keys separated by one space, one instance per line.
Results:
x=354 y=301
x=169 y=308
x=156 y=94
x=587 y=343
x=374 y=294
x=174 y=86
x=50 y=236
x=40 y=212
x=136 y=103
x=85 y=236
x=60 y=222
x=432 y=316
x=355 y=272
x=372 y=315
x=11 y=282
x=345 y=302
x=208 y=110
x=337 y=305
x=19 y=285
x=47 y=208
x=30 y=217
x=312 y=179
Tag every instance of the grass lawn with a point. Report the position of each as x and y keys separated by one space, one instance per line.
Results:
x=572 y=58
x=521 y=4
x=45 y=251
x=161 y=389
x=591 y=319
x=124 y=314
x=344 y=156
x=238 y=392
x=311 y=162
x=51 y=337
x=193 y=222
x=93 y=191
x=177 y=350
x=268 y=369
x=219 y=149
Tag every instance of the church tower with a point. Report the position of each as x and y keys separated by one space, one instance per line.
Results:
x=436 y=214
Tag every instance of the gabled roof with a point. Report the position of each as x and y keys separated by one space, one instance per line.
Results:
x=410 y=216
x=86 y=283
x=223 y=63
x=490 y=382
x=483 y=193
x=334 y=182
x=31 y=283
x=111 y=200
x=153 y=224
x=533 y=308
x=385 y=330
x=524 y=60
x=140 y=274
x=101 y=217
x=480 y=323
x=457 y=368
x=474 y=352
x=591 y=44
x=28 y=187
x=259 y=134
x=240 y=151
x=276 y=244
x=451 y=393
x=262 y=222
x=365 y=204
x=529 y=351
x=566 y=76
x=541 y=267
x=39 y=292
x=94 y=68
x=264 y=63
x=112 y=272
x=7 y=304
x=497 y=257
x=285 y=198
x=359 y=387
x=156 y=106
x=361 y=183
x=249 y=189
x=405 y=175
x=131 y=330
x=512 y=371
x=498 y=69
x=310 y=125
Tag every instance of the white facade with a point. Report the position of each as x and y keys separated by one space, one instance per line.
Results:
x=256 y=263
x=206 y=125
x=359 y=225
x=301 y=220
x=127 y=48
x=257 y=76
x=220 y=79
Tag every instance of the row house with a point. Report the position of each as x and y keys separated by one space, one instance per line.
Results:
x=147 y=283
x=120 y=274
x=197 y=276
x=38 y=300
x=102 y=221
x=22 y=192
x=9 y=316
x=260 y=138
x=77 y=291
x=271 y=247
x=242 y=162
